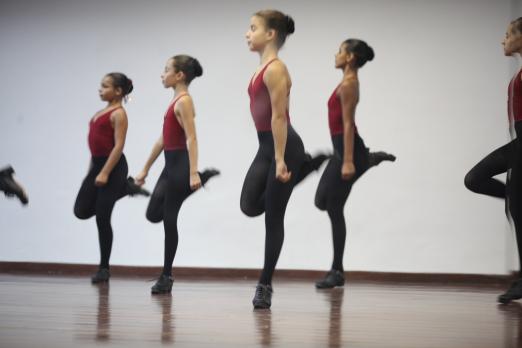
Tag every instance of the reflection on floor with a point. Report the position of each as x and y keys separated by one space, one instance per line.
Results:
x=39 y=311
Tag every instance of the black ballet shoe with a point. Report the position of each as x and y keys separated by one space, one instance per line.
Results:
x=316 y=161
x=102 y=276
x=263 y=296
x=10 y=186
x=513 y=293
x=333 y=278
x=133 y=189
x=380 y=156
x=207 y=174
x=163 y=285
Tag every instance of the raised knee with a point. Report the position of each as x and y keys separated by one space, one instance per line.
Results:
x=82 y=215
x=320 y=204
x=470 y=181
x=154 y=218
x=249 y=211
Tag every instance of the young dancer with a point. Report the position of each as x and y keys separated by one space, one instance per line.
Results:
x=508 y=157
x=280 y=162
x=180 y=176
x=351 y=157
x=106 y=181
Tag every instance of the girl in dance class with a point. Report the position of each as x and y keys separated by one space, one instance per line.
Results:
x=351 y=157
x=106 y=180
x=280 y=162
x=180 y=176
x=506 y=158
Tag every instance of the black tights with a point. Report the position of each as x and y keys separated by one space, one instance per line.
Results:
x=480 y=178
x=99 y=201
x=263 y=193
x=507 y=158
x=172 y=188
x=332 y=191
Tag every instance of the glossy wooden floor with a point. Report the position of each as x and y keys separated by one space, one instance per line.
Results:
x=70 y=312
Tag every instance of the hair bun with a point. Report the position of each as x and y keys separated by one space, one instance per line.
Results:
x=369 y=53
x=290 y=25
x=130 y=86
x=198 y=70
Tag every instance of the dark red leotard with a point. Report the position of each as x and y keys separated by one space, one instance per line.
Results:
x=101 y=134
x=260 y=104
x=335 y=114
x=173 y=134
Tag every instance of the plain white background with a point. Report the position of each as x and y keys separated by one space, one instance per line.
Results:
x=435 y=96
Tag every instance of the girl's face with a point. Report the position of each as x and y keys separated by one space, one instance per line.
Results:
x=107 y=91
x=513 y=41
x=342 y=57
x=258 y=36
x=170 y=76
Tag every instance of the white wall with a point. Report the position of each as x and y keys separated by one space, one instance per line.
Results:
x=435 y=95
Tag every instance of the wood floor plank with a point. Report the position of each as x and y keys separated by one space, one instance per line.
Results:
x=52 y=311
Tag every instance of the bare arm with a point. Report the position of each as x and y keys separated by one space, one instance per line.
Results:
x=277 y=81
x=120 y=124
x=185 y=110
x=156 y=151
x=349 y=95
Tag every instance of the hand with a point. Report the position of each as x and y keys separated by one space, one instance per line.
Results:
x=348 y=170
x=195 y=181
x=140 y=178
x=101 y=179
x=282 y=173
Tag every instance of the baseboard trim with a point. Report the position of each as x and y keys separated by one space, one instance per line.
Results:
x=67 y=269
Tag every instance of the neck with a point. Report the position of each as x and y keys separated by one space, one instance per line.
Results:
x=114 y=103
x=518 y=56
x=350 y=73
x=180 y=88
x=267 y=54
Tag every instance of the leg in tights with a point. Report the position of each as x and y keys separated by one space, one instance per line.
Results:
x=107 y=197
x=252 y=199
x=157 y=199
x=276 y=195
x=514 y=192
x=480 y=178
x=156 y=203
x=177 y=190
x=84 y=206
x=332 y=193
x=99 y=201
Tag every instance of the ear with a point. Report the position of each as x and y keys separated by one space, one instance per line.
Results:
x=119 y=91
x=180 y=75
x=350 y=58
x=271 y=33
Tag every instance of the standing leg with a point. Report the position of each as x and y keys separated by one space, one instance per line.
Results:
x=107 y=197
x=514 y=195
x=177 y=189
x=332 y=194
x=277 y=195
x=276 y=200
x=173 y=203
